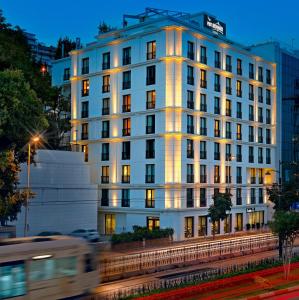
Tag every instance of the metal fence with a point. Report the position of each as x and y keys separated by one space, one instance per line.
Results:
x=182 y=255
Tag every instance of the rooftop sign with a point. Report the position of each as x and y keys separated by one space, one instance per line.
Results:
x=214 y=24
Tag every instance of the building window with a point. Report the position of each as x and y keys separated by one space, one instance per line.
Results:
x=125 y=198
x=239 y=66
x=150 y=149
x=190 y=53
x=126 y=150
x=106 y=84
x=105 y=174
x=261 y=176
x=239 y=153
x=228 y=130
x=268 y=116
x=150 y=75
x=203 y=149
x=84 y=109
x=228 y=88
x=239 y=221
x=126 y=80
x=85 y=88
x=85 y=151
x=150 y=99
x=189 y=227
x=251 y=92
x=216 y=151
x=260 y=115
x=151 y=50
x=228 y=152
x=268 y=156
x=239 y=175
x=127 y=127
x=203 y=126
x=203 y=102
x=190 y=124
x=190 y=199
x=239 y=88
x=190 y=99
x=268 y=97
x=105 y=197
x=149 y=173
x=239 y=110
x=85 y=66
x=260 y=74
x=239 y=131
x=250 y=154
x=228 y=63
x=216 y=174
x=268 y=76
x=84 y=131
x=216 y=105
x=227 y=226
x=251 y=71
x=261 y=196
x=217 y=128
x=228 y=176
x=126 y=103
x=217 y=86
x=105 y=151
x=216 y=227
x=203 y=174
x=110 y=224
x=238 y=196
x=190 y=75
x=228 y=108
x=66 y=74
x=203 y=55
x=126 y=56
x=150 y=124
x=203 y=79
x=202 y=226
x=152 y=223
x=150 y=198
x=106 y=106
x=106 y=61
x=251 y=113
x=105 y=129
x=252 y=196
x=251 y=134
x=260 y=135
x=126 y=173
x=202 y=197
x=253 y=176
x=190 y=148
x=217 y=62
x=260 y=95
x=190 y=173
x=268 y=136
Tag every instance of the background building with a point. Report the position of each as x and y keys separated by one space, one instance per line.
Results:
x=171 y=112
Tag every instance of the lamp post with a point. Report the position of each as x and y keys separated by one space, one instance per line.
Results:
x=34 y=139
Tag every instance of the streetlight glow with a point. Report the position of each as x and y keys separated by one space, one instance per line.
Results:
x=35 y=139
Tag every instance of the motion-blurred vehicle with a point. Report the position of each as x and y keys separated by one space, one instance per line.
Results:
x=91 y=235
x=54 y=267
x=49 y=233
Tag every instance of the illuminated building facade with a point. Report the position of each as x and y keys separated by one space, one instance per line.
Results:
x=170 y=112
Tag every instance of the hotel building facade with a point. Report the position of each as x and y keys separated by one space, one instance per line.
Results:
x=170 y=112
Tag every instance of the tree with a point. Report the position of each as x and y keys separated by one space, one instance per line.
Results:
x=103 y=28
x=286 y=225
x=64 y=46
x=218 y=210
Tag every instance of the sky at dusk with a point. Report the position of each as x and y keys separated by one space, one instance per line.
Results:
x=248 y=22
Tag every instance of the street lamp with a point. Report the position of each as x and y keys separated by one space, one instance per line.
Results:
x=33 y=140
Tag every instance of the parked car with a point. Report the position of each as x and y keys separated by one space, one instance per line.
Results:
x=91 y=235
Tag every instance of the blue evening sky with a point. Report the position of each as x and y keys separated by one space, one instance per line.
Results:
x=247 y=22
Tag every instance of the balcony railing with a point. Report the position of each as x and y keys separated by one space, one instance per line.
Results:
x=203 y=131
x=268 y=120
x=253 y=180
x=228 y=134
x=105 y=111
x=228 y=112
x=217 y=87
x=190 y=55
x=126 y=60
x=105 y=156
x=190 y=178
x=84 y=114
x=239 y=71
x=251 y=158
x=149 y=178
x=203 y=84
x=125 y=202
x=190 y=104
x=268 y=160
x=228 y=179
x=268 y=80
x=106 y=88
x=217 y=132
x=126 y=107
x=217 y=64
x=126 y=85
x=84 y=136
x=260 y=159
x=190 y=153
x=190 y=202
x=105 y=65
x=238 y=201
x=261 y=99
x=260 y=78
x=203 y=154
x=105 y=133
x=126 y=131
x=203 y=59
x=251 y=138
x=228 y=68
x=125 y=155
x=190 y=80
x=251 y=96
x=151 y=55
x=216 y=110
x=229 y=90
x=251 y=75
x=239 y=93
x=125 y=178
x=85 y=93
x=216 y=179
x=252 y=200
x=150 y=104
x=239 y=136
x=150 y=129
x=105 y=179
x=190 y=129
x=150 y=154
x=216 y=155
x=203 y=107
x=150 y=80
x=239 y=114
x=239 y=179
x=85 y=70
x=251 y=117
x=203 y=178
x=239 y=157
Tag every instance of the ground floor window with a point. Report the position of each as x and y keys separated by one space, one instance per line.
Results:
x=216 y=227
x=153 y=223
x=109 y=223
x=228 y=224
x=189 y=227
x=239 y=222
x=256 y=219
x=202 y=226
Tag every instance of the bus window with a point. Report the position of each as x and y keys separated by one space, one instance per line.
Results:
x=12 y=279
x=89 y=263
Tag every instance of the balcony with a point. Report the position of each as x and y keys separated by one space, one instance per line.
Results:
x=126 y=85
x=190 y=129
x=150 y=104
x=126 y=108
x=105 y=133
x=217 y=110
x=125 y=178
x=84 y=136
x=150 y=80
x=190 y=178
x=217 y=132
x=190 y=104
x=105 y=111
x=203 y=154
x=216 y=179
x=251 y=96
x=151 y=55
x=217 y=87
x=126 y=131
x=203 y=178
x=125 y=155
x=239 y=157
x=216 y=155
x=203 y=131
x=150 y=154
x=190 y=80
x=105 y=156
x=149 y=178
x=228 y=68
x=190 y=55
x=251 y=159
x=203 y=107
x=229 y=90
x=106 y=88
x=126 y=60
x=105 y=179
x=105 y=65
x=239 y=179
x=85 y=70
x=203 y=83
x=203 y=59
x=150 y=129
x=217 y=64
x=190 y=154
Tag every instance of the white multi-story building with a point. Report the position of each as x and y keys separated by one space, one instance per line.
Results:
x=170 y=112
